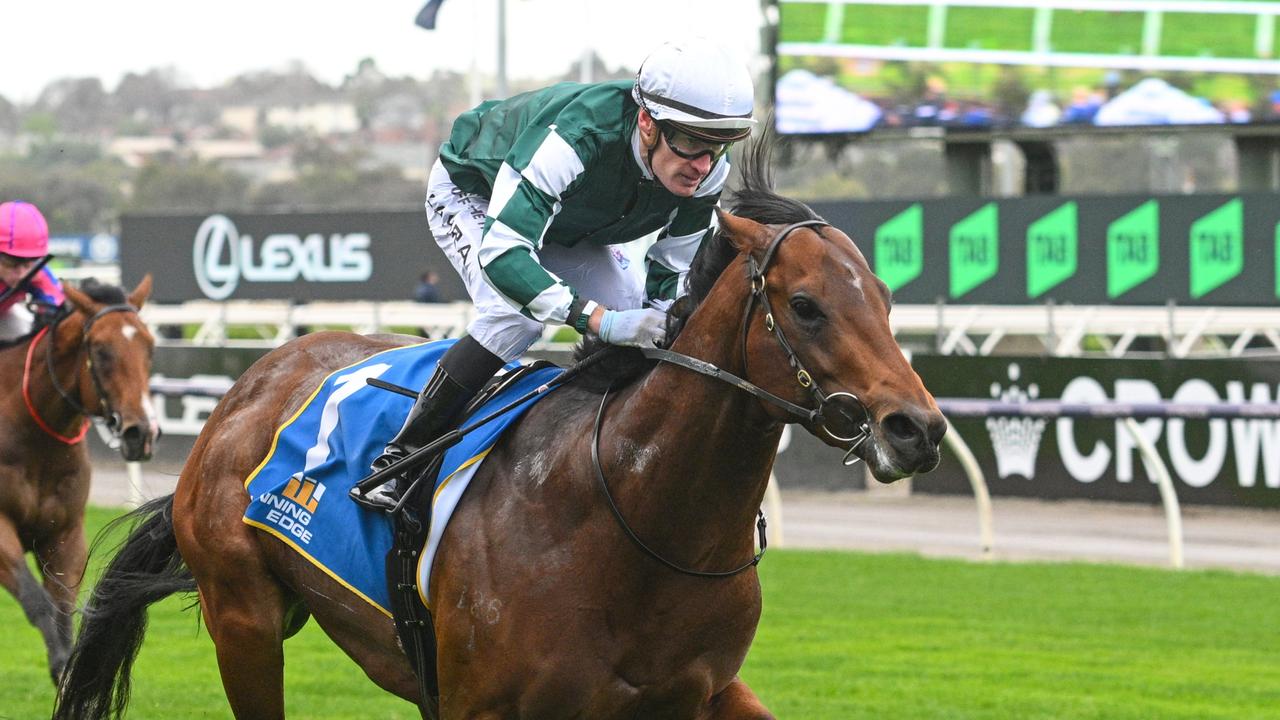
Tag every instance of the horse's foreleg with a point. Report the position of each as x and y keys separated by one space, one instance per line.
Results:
x=16 y=577
x=61 y=561
x=737 y=702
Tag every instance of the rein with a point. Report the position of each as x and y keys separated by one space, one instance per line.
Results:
x=17 y=287
x=756 y=274
x=761 y=525
x=31 y=408
x=112 y=418
x=815 y=416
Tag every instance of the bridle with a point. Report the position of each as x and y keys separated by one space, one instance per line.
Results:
x=826 y=402
x=851 y=408
x=112 y=417
x=756 y=273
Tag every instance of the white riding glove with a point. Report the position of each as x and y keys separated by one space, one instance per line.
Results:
x=637 y=328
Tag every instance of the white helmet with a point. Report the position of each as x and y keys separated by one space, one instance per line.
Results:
x=698 y=87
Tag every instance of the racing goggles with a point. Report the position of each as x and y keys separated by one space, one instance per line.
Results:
x=688 y=147
x=13 y=262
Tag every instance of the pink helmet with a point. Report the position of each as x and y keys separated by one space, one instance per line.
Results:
x=23 y=230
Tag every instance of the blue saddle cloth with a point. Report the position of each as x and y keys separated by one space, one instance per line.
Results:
x=299 y=491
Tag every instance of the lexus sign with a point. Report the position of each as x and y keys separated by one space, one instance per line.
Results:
x=294 y=256
x=222 y=257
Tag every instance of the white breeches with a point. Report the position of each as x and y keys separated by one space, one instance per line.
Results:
x=598 y=272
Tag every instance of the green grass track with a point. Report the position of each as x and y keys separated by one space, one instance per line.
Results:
x=846 y=635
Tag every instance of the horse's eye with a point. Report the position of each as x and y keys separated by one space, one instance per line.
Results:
x=102 y=356
x=806 y=309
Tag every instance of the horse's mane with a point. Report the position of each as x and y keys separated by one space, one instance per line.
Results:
x=103 y=293
x=754 y=199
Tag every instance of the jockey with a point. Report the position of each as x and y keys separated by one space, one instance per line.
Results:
x=24 y=241
x=529 y=193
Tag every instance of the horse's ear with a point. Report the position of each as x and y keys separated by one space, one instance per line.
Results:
x=745 y=235
x=140 y=293
x=80 y=300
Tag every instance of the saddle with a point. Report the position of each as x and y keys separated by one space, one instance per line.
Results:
x=410 y=527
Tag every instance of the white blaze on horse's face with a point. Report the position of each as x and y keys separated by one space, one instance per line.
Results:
x=146 y=403
x=857 y=278
x=153 y=417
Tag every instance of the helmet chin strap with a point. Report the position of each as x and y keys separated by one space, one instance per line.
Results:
x=649 y=159
x=651 y=147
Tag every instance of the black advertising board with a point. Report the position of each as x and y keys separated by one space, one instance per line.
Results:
x=284 y=256
x=1221 y=462
x=1136 y=250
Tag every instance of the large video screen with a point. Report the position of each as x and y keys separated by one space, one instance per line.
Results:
x=1010 y=64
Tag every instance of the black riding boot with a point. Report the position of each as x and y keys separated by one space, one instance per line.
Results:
x=463 y=370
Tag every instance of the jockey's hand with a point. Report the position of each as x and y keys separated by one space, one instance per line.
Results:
x=44 y=313
x=637 y=328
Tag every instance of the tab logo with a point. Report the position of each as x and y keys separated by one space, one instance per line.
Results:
x=221 y=257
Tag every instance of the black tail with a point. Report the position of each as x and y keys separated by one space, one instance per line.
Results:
x=146 y=568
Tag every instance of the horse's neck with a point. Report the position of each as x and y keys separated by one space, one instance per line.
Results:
x=68 y=365
x=693 y=454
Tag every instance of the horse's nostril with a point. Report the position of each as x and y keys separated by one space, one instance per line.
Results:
x=937 y=429
x=132 y=435
x=901 y=427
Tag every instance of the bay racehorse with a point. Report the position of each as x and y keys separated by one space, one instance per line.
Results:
x=544 y=605
x=94 y=360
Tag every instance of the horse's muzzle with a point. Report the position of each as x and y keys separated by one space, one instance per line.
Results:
x=137 y=442
x=914 y=437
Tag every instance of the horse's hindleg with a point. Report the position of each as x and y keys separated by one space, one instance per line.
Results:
x=243 y=606
x=245 y=617
x=16 y=577
x=737 y=702
x=62 y=563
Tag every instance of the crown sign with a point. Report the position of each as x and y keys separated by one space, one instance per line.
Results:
x=1016 y=441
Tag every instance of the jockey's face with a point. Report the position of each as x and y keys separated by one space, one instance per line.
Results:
x=681 y=176
x=12 y=268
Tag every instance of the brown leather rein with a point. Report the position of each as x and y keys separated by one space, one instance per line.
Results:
x=852 y=408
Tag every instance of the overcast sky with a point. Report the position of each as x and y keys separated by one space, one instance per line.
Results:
x=210 y=42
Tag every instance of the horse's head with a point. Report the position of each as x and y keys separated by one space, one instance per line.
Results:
x=117 y=375
x=818 y=335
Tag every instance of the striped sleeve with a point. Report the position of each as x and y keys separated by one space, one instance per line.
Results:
x=668 y=259
x=526 y=198
x=46 y=288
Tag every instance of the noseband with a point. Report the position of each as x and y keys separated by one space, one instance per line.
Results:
x=112 y=417
x=853 y=409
